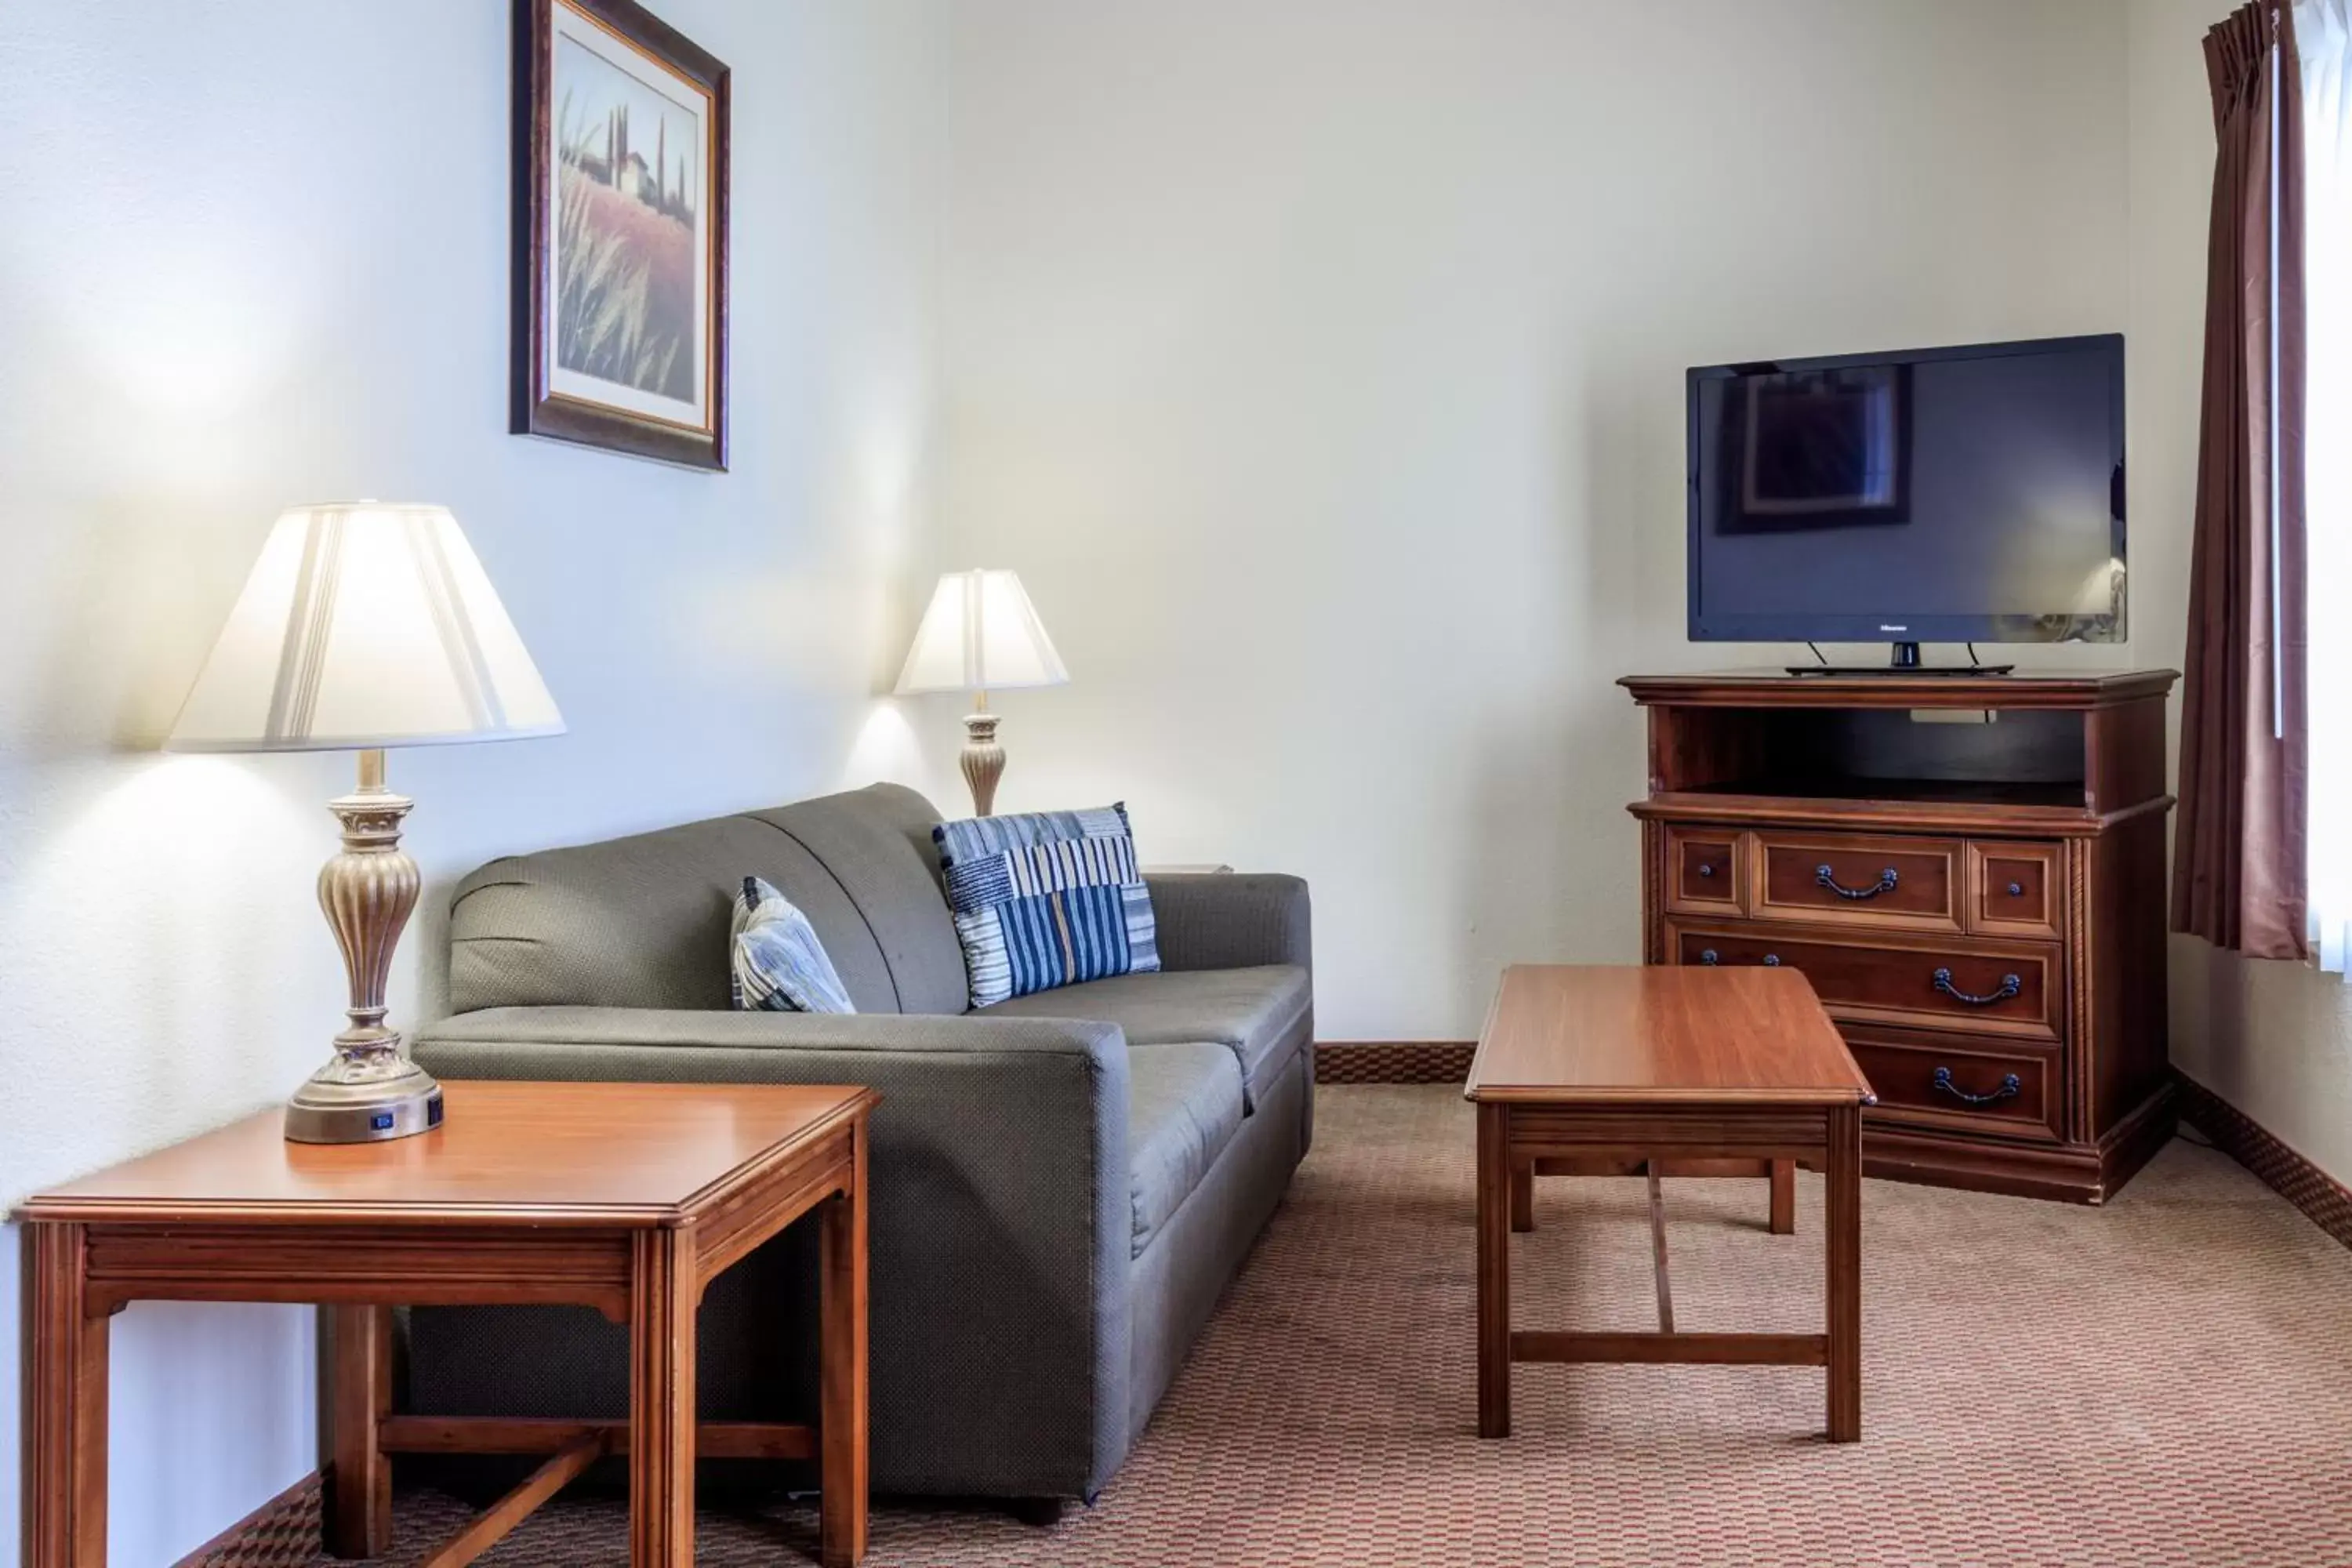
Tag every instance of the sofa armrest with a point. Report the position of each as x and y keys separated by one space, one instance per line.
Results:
x=1000 y=1208
x=1225 y=920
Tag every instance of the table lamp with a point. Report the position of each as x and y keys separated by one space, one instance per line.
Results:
x=365 y=626
x=981 y=632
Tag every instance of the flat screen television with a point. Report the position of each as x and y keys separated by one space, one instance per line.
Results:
x=1931 y=495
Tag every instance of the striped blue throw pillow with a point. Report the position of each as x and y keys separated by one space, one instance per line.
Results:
x=1048 y=899
x=779 y=966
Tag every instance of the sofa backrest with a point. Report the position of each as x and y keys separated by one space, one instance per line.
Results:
x=642 y=922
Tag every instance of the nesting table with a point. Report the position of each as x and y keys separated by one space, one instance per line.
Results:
x=628 y=1198
x=1612 y=1069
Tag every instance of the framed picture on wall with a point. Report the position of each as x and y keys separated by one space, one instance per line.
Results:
x=620 y=233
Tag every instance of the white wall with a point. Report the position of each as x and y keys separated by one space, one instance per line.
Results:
x=256 y=253
x=2274 y=1039
x=1319 y=367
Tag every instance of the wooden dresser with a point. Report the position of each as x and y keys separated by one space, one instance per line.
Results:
x=1971 y=872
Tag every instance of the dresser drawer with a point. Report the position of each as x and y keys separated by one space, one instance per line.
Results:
x=1857 y=879
x=2013 y=890
x=1702 y=868
x=2011 y=988
x=1948 y=1080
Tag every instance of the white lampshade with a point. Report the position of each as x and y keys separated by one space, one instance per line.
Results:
x=364 y=625
x=981 y=634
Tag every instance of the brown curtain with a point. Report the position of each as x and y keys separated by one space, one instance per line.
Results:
x=2238 y=860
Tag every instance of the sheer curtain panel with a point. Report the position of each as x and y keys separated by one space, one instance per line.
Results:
x=2323 y=32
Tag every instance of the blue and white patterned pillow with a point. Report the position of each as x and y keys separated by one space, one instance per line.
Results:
x=779 y=965
x=1048 y=899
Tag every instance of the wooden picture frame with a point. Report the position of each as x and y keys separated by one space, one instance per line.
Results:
x=619 y=297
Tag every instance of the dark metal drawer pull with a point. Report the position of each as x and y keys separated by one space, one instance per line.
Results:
x=1771 y=961
x=2009 y=987
x=2017 y=889
x=1706 y=868
x=1710 y=956
x=1823 y=876
x=2009 y=1089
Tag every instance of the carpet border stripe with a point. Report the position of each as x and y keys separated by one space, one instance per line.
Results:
x=1394 y=1061
x=2324 y=1200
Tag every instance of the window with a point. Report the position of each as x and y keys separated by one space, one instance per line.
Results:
x=2323 y=32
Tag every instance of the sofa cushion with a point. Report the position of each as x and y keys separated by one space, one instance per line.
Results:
x=1045 y=900
x=1184 y=1106
x=642 y=922
x=876 y=844
x=780 y=965
x=1263 y=1015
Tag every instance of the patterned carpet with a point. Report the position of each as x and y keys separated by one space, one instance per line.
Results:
x=2161 y=1382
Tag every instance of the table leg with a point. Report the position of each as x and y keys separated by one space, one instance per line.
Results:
x=1523 y=1197
x=1843 y=1245
x=1658 y=1248
x=841 y=1417
x=356 y=1520
x=64 y=1460
x=1494 y=1272
x=1784 y=1197
x=663 y=1294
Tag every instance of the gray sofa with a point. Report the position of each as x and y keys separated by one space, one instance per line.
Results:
x=1062 y=1184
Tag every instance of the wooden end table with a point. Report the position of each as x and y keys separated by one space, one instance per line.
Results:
x=1627 y=1068
x=625 y=1197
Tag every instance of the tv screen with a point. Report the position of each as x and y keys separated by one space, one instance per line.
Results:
x=1933 y=495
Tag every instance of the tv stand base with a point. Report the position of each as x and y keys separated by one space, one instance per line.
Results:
x=1904 y=662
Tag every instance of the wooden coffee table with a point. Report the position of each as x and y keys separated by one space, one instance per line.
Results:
x=625 y=1197
x=1593 y=1067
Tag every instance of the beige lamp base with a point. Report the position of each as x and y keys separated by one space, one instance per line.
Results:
x=982 y=760
x=333 y=1108
x=369 y=1091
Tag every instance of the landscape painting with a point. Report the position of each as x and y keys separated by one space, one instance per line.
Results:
x=623 y=262
x=627 y=285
